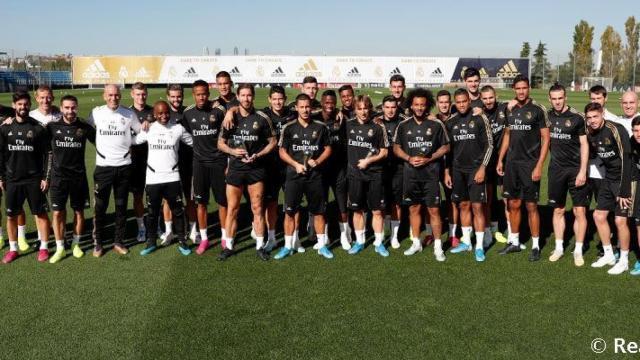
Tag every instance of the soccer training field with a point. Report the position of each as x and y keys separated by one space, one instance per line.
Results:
x=364 y=306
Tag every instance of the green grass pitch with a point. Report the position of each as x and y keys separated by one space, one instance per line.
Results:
x=169 y=306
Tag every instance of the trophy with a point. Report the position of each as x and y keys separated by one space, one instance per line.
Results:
x=239 y=144
x=305 y=159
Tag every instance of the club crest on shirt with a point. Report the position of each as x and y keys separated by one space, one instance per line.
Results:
x=428 y=132
x=607 y=141
x=79 y=132
x=212 y=118
x=370 y=133
x=255 y=125
x=122 y=120
x=501 y=115
x=314 y=134
x=29 y=134
x=472 y=124
x=567 y=123
x=528 y=115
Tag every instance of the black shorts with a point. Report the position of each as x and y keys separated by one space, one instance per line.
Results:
x=245 y=177
x=16 y=194
x=276 y=179
x=138 y=168
x=185 y=159
x=308 y=186
x=392 y=181
x=335 y=178
x=208 y=178
x=518 y=183
x=418 y=191
x=562 y=180
x=595 y=185
x=466 y=189
x=365 y=194
x=76 y=190
x=607 y=195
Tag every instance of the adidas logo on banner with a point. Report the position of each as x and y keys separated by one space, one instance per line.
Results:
x=96 y=71
x=395 y=71
x=354 y=72
x=278 y=72
x=437 y=73
x=142 y=73
x=190 y=73
x=483 y=72
x=235 y=71
x=508 y=70
x=309 y=68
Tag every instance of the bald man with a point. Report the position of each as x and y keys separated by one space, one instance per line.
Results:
x=113 y=124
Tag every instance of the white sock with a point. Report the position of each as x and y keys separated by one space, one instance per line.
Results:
x=44 y=244
x=395 y=226
x=437 y=245
x=223 y=233
x=466 y=234
x=624 y=256
x=578 y=249
x=514 y=239
x=494 y=226
x=140 y=222
x=321 y=239
x=536 y=242
x=168 y=227
x=13 y=246
x=428 y=230
x=21 y=231
x=271 y=235
x=203 y=235
x=479 y=240
x=559 y=248
x=229 y=243
x=608 y=250
x=259 y=242
x=194 y=230
x=452 y=229
x=508 y=228
x=360 y=236
x=59 y=244
x=76 y=239
x=295 y=236
x=288 y=241
x=378 y=237
x=416 y=241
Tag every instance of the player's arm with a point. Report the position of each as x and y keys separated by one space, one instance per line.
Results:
x=581 y=179
x=185 y=137
x=91 y=134
x=545 y=138
x=225 y=148
x=229 y=118
x=270 y=134
x=284 y=154
x=624 y=146
x=45 y=145
x=325 y=143
x=506 y=135
x=444 y=148
x=3 y=147
x=140 y=138
x=486 y=138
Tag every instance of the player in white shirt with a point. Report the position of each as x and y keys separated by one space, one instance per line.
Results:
x=113 y=124
x=163 y=175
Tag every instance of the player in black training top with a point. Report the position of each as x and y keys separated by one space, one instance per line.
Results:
x=392 y=171
x=139 y=153
x=421 y=143
x=367 y=146
x=496 y=112
x=347 y=95
x=635 y=152
x=226 y=97
x=310 y=87
x=248 y=144
x=609 y=142
x=568 y=171
x=304 y=147
x=69 y=175
x=525 y=145
x=203 y=121
x=397 y=86
x=471 y=148
x=25 y=171
x=335 y=174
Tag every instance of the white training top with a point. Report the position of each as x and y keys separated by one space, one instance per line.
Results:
x=113 y=134
x=626 y=122
x=164 y=142
x=596 y=167
x=45 y=119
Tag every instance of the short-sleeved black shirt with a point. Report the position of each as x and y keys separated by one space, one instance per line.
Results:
x=524 y=124
x=252 y=133
x=365 y=140
x=421 y=139
x=204 y=125
x=68 y=143
x=303 y=143
x=566 y=129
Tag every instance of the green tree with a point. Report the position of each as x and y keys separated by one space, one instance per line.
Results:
x=582 y=54
x=611 y=47
x=526 y=50
x=632 y=31
x=541 y=69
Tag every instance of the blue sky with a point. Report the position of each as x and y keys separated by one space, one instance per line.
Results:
x=386 y=28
